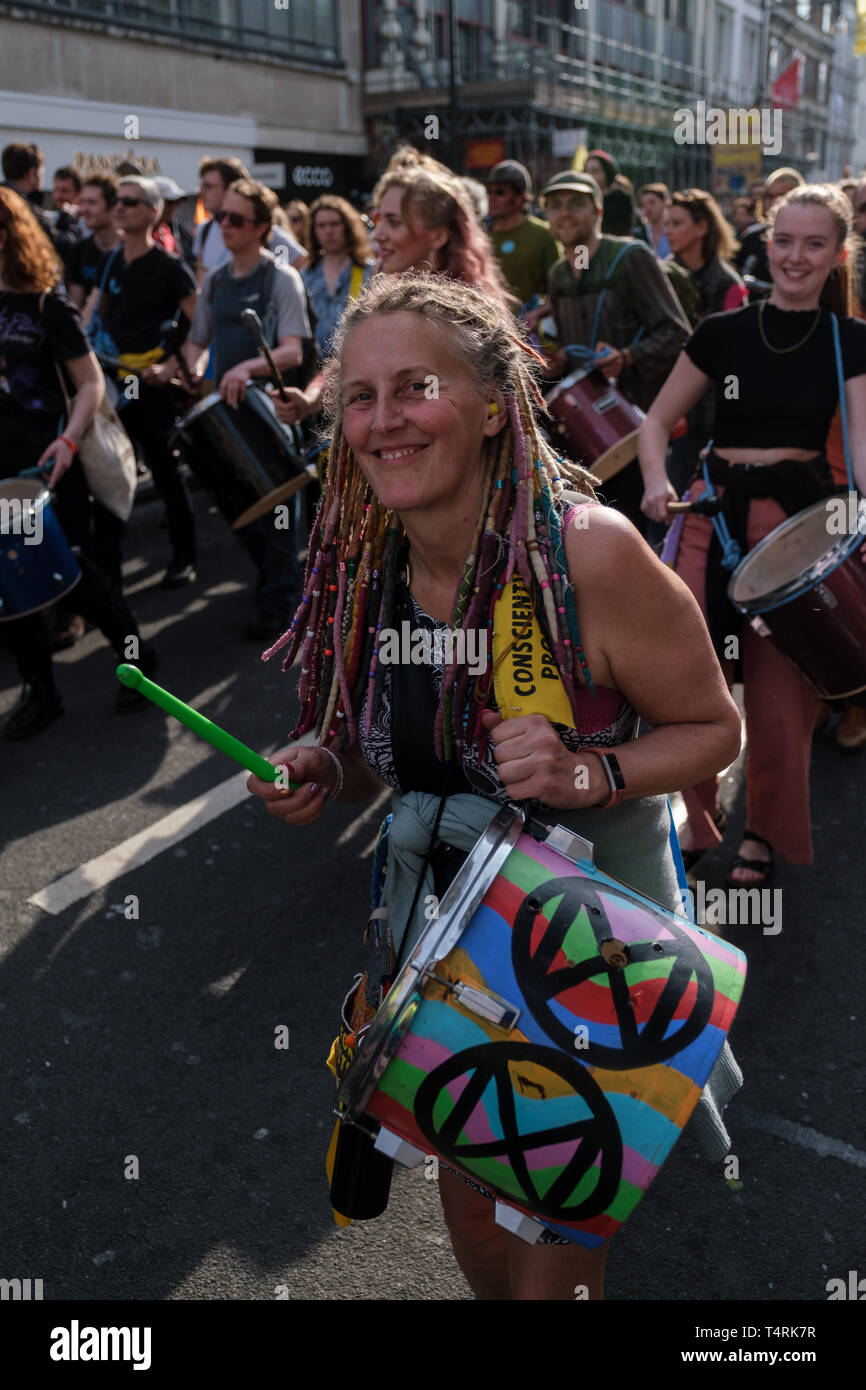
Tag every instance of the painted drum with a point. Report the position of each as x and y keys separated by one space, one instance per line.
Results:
x=549 y=1035
x=243 y=455
x=594 y=423
x=804 y=588
x=37 y=566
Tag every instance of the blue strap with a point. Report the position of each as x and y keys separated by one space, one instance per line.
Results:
x=607 y=280
x=731 y=552
x=679 y=866
x=843 y=409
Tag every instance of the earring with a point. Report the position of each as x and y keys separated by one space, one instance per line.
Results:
x=492 y=409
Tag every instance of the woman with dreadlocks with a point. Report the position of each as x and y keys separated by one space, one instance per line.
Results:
x=439 y=491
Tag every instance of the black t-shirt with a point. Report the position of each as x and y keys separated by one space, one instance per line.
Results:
x=773 y=400
x=85 y=264
x=30 y=344
x=140 y=296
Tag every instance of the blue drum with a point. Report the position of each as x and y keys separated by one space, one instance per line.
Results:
x=37 y=566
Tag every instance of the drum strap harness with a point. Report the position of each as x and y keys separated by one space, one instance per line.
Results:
x=588 y=354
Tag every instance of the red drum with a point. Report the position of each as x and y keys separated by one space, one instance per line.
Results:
x=804 y=587
x=594 y=423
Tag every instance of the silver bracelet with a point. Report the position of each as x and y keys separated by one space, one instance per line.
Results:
x=332 y=796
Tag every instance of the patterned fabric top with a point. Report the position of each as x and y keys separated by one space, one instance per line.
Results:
x=606 y=720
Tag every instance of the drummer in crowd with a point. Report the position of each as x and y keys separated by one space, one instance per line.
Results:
x=253 y=280
x=442 y=472
x=146 y=287
x=773 y=367
x=41 y=333
x=630 y=311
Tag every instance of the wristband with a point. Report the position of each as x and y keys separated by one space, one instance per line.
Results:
x=332 y=796
x=70 y=443
x=615 y=779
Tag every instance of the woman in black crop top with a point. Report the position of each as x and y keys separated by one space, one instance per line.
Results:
x=773 y=368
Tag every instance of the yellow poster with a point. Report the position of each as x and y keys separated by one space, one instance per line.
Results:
x=860 y=32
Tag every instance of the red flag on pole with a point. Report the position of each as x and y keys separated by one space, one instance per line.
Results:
x=786 y=88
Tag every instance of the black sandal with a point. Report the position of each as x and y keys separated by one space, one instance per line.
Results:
x=764 y=867
x=691 y=856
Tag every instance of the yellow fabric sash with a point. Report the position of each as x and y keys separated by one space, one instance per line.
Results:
x=356 y=281
x=526 y=678
x=137 y=361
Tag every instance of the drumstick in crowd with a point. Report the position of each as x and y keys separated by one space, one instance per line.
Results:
x=253 y=324
x=200 y=724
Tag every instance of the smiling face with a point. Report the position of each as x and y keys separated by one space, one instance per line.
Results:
x=405 y=245
x=683 y=232
x=803 y=250
x=413 y=415
x=572 y=216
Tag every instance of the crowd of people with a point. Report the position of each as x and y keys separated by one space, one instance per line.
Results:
x=433 y=500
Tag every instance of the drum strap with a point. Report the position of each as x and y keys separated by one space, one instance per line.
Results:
x=843 y=410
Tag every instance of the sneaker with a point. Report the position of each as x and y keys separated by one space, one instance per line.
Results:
x=38 y=707
x=127 y=700
x=851 y=729
x=179 y=573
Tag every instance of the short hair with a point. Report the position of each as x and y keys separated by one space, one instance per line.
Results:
x=660 y=190
x=263 y=199
x=149 y=189
x=792 y=175
x=66 y=171
x=107 y=185
x=228 y=168
x=18 y=159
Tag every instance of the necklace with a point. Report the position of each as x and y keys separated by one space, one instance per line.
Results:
x=769 y=346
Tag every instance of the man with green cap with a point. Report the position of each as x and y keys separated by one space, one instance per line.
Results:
x=610 y=295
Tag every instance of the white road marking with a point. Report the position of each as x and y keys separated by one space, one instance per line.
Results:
x=145 y=845
x=804 y=1135
x=359 y=821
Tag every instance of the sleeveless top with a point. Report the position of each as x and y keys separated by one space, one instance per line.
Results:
x=605 y=720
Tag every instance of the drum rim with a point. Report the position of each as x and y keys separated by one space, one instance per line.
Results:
x=795 y=588
x=568 y=381
x=40 y=498
x=49 y=602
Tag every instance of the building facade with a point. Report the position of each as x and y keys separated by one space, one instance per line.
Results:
x=166 y=82
x=533 y=79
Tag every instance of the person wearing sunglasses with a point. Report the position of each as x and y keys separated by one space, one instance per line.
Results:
x=216 y=177
x=522 y=245
x=142 y=288
x=254 y=279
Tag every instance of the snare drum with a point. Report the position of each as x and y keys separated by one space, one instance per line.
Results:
x=594 y=423
x=37 y=566
x=805 y=589
x=549 y=1035
x=243 y=455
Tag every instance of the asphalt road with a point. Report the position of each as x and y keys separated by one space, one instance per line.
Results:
x=154 y=1039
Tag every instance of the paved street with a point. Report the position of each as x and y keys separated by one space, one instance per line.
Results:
x=153 y=1039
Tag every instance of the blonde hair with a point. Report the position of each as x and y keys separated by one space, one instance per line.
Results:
x=836 y=294
x=354 y=552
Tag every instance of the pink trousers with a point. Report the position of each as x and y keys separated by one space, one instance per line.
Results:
x=780 y=712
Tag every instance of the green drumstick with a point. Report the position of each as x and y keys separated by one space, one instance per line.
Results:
x=204 y=727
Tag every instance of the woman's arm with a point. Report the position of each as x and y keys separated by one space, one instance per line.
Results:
x=683 y=389
x=89 y=384
x=659 y=653
x=649 y=629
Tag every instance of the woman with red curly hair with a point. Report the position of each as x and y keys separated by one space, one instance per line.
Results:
x=41 y=336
